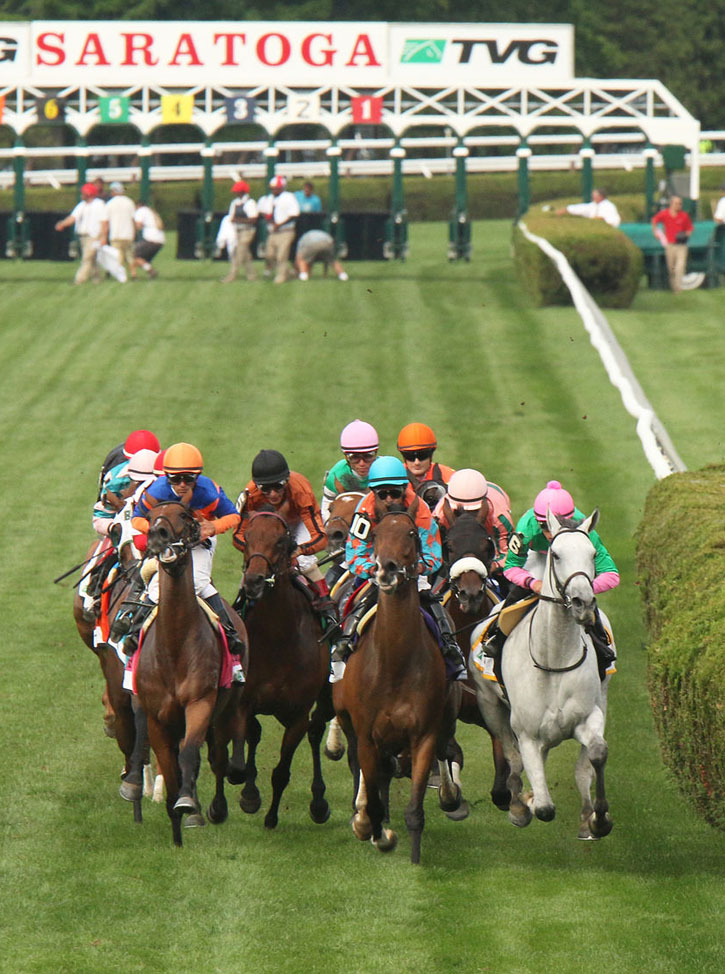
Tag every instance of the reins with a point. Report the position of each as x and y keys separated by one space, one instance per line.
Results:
x=275 y=571
x=410 y=572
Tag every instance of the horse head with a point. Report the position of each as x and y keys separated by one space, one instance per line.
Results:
x=570 y=566
x=338 y=523
x=469 y=552
x=173 y=532
x=268 y=542
x=397 y=548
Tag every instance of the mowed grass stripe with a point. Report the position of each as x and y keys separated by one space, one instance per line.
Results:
x=233 y=368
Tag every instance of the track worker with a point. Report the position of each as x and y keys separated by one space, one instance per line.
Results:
x=243 y=216
x=673 y=228
x=359 y=444
x=184 y=482
x=389 y=487
x=600 y=208
x=317 y=245
x=91 y=226
x=416 y=444
x=277 y=488
x=121 y=224
x=283 y=212
x=151 y=227
x=526 y=561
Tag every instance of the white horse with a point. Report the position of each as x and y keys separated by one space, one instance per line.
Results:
x=550 y=672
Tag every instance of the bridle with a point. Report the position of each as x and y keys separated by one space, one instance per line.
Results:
x=410 y=572
x=274 y=569
x=183 y=543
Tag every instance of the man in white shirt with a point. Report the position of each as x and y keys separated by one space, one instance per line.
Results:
x=89 y=218
x=152 y=239
x=281 y=228
x=600 y=208
x=243 y=217
x=120 y=214
x=719 y=215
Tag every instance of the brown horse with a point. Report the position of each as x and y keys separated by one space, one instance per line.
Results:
x=289 y=664
x=469 y=552
x=338 y=523
x=178 y=671
x=393 y=696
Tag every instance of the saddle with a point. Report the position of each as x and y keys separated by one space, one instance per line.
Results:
x=508 y=617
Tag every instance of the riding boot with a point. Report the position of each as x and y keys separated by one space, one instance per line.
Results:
x=343 y=646
x=494 y=642
x=215 y=603
x=602 y=647
x=325 y=606
x=129 y=609
x=129 y=624
x=456 y=668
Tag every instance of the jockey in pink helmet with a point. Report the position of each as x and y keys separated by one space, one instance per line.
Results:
x=469 y=490
x=359 y=444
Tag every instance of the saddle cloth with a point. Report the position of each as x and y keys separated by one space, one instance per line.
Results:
x=507 y=618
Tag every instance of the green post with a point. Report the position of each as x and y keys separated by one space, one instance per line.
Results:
x=144 y=158
x=523 y=153
x=650 y=183
x=396 y=243
x=586 y=154
x=81 y=162
x=18 y=240
x=206 y=237
x=334 y=223
x=271 y=153
x=459 y=229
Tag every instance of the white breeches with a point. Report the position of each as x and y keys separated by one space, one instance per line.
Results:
x=201 y=558
x=307 y=563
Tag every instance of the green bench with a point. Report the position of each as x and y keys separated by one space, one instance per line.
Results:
x=706 y=253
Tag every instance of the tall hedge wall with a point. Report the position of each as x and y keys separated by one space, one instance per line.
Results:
x=681 y=570
x=608 y=263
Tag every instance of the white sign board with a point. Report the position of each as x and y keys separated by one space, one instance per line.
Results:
x=241 y=55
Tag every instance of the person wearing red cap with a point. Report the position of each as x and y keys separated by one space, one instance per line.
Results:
x=114 y=479
x=243 y=218
x=283 y=212
x=91 y=226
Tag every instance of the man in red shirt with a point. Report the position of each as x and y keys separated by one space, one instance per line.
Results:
x=673 y=235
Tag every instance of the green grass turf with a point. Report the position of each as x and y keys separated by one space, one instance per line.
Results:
x=515 y=391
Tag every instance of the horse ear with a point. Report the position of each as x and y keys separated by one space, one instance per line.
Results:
x=413 y=509
x=379 y=510
x=552 y=521
x=448 y=512
x=591 y=522
x=483 y=512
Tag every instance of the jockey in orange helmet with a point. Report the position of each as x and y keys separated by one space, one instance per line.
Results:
x=416 y=444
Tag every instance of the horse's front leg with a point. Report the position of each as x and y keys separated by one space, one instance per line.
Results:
x=319 y=807
x=132 y=785
x=421 y=757
x=198 y=715
x=596 y=821
x=533 y=754
x=165 y=749
x=250 y=800
x=369 y=792
x=281 y=774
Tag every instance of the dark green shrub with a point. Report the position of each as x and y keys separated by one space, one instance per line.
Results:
x=605 y=260
x=681 y=578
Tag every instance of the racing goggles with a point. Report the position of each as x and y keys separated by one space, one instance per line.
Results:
x=411 y=455
x=394 y=493
x=182 y=478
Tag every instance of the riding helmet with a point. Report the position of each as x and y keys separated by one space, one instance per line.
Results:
x=183 y=458
x=141 y=465
x=359 y=437
x=466 y=489
x=141 y=440
x=556 y=499
x=386 y=471
x=416 y=436
x=269 y=467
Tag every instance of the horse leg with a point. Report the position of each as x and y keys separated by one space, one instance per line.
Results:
x=319 y=807
x=500 y=794
x=598 y=822
x=165 y=748
x=533 y=754
x=385 y=840
x=217 y=739
x=281 y=774
x=132 y=785
x=421 y=757
x=236 y=766
x=335 y=744
x=361 y=827
x=198 y=716
x=250 y=799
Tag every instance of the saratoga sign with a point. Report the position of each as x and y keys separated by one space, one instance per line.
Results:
x=243 y=54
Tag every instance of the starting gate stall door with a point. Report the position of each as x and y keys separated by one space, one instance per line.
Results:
x=364 y=233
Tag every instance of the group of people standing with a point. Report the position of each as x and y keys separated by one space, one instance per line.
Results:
x=133 y=231
x=138 y=476
x=279 y=209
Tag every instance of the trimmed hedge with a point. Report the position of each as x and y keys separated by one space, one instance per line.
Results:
x=606 y=261
x=681 y=567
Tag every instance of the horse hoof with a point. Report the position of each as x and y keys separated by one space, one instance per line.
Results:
x=217 y=813
x=451 y=804
x=362 y=829
x=109 y=726
x=519 y=815
x=602 y=826
x=194 y=821
x=250 y=805
x=270 y=821
x=185 y=804
x=458 y=814
x=387 y=841
x=545 y=813
x=320 y=813
x=501 y=800
x=129 y=791
x=585 y=835
x=334 y=755
x=236 y=776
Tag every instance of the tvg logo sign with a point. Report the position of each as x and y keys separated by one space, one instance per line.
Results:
x=539 y=51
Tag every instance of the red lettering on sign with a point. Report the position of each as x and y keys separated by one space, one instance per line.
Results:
x=327 y=53
x=367 y=110
x=285 y=49
x=363 y=48
x=185 y=48
x=139 y=44
x=45 y=45
x=93 y=48
x=229 y=47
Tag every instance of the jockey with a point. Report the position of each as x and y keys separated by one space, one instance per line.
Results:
x=359 y=444
x=183 y=482
x=468 y=490
x=417 y=444
x=526 y=558
x=113 y=480
x=275 y=487
x=388 y=482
